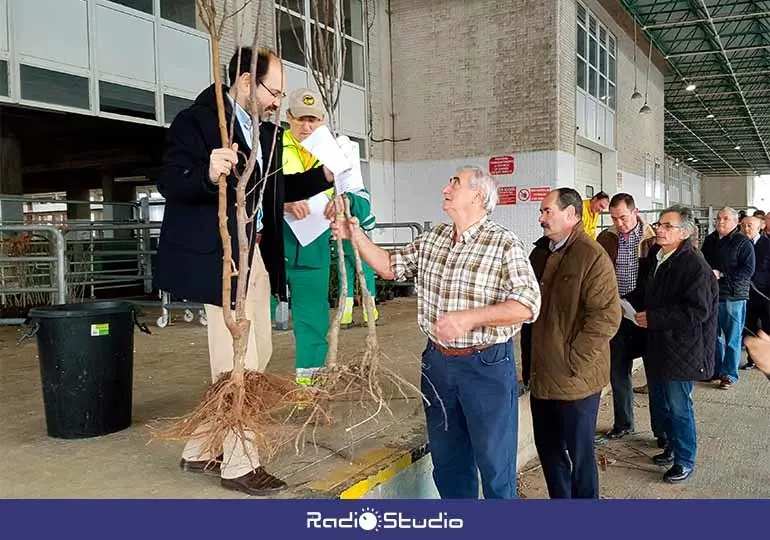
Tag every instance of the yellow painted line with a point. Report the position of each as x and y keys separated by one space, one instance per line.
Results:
x=343 y=474
x=359 y=489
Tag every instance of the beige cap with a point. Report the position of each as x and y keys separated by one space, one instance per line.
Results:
x=305 y=102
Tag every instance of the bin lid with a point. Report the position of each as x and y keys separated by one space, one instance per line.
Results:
x=82 y=309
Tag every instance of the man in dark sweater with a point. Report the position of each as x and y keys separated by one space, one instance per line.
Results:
x=190 y=253
x=758 y=308
x=731 y=257
x=676 y=301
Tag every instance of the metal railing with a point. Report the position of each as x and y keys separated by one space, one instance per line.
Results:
x=412 y=226
x=29 y=274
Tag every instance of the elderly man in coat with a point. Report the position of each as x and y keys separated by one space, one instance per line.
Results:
x=566 y=352
x=677 y=301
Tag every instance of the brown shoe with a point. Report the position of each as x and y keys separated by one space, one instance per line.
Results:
x=202 y=467
x=725 y=383
x=258 y=482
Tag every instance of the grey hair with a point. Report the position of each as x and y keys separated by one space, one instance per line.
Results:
x=686 y=218
x=482 y=180
x=728 y=210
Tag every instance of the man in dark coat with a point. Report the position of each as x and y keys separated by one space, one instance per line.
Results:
x=677 y=302
x=758 y=308
x=731 y=257
x=189 y=263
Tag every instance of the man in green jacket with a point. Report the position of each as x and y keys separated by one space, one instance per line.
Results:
x=307 y=267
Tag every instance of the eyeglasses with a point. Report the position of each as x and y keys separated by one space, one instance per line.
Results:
x=665 y=226
x=278 y=94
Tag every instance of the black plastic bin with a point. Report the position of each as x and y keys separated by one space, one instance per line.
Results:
x=86 y=354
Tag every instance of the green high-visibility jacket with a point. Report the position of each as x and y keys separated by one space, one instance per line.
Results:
x=317 y=254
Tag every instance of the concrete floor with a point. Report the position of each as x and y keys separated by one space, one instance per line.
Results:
x=733 y=448
x=171 y=374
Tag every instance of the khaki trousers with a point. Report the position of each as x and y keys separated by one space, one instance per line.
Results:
x=240 y=456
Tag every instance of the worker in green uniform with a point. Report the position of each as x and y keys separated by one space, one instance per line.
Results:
x=361 y=208
x=307 y=267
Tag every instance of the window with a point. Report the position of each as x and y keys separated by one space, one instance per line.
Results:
x=53 y=87
x=362 y=147
x=119 y=99
x=596 y=59
x=299 y=21
x=172 y=106
x=179 y=11
x=3 y=78
x=139 y=5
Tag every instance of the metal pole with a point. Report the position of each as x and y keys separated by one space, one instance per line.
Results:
x=61 y=279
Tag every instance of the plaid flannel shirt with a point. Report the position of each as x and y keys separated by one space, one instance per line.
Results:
x=486 y=266
x=627 y=265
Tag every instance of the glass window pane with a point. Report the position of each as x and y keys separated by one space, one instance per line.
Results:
x=592 y=26
x=172 y=106
x=353 y=11
x=361 y=146
x=581 y=12
x=141 y=5
x=603 y=60
x=581 y=41
x=612 y=102
x=291 y=37
x=322 y=46
x=323 y=12
x=354 y=63
x=48 y=86
x=611 y=69
x=179 y=11
x=3 y=78
x=581 y=74
x=119 y=99
x=592 y=82
x=602 y=88
x=294 y=5
x=603 y=36
x=592 y=51
x=612 y=46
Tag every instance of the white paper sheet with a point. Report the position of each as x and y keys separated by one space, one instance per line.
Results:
x=349 y=181
x=628 y=310
x=314 y=225
x=324 y=147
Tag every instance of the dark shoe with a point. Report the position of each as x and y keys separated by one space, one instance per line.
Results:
x=258 y=482
x=616 y=434
x=662 y=442
x=641 y=390
x=748 y=365
x=664 y=458
x=677 y=474
x=725 y=383
x=202 y=467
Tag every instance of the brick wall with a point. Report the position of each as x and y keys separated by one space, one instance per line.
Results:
x=473 y=77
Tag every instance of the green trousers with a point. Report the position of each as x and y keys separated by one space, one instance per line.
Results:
x=309 y=299
x=350 y=269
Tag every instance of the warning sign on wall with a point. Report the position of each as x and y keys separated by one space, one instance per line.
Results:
x=501 y=165
x=533 y=194
x=506 y=195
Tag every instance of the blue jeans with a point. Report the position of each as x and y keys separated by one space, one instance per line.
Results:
x=479 y=395
x=680 y=421
x=659 y=411
x=731 y=320
x=564 y=437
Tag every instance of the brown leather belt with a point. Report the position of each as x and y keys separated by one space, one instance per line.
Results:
x=465 y=351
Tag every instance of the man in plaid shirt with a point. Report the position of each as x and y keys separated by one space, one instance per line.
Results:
x=475 y=287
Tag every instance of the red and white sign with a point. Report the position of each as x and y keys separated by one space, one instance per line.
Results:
x=506 y=195
x=501 y=165
x=533 y=194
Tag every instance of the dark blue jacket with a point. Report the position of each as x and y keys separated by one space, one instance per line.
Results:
x=681 y=300
x=761 y=276
x=189 y=260
x=732 y=255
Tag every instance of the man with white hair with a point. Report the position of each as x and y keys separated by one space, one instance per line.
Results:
x=475 y=287
x=731 y=257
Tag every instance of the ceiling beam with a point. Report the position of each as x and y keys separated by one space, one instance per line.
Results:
x=701 y=140
x=724 y=18
x=735 y=79
x=710 y=51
